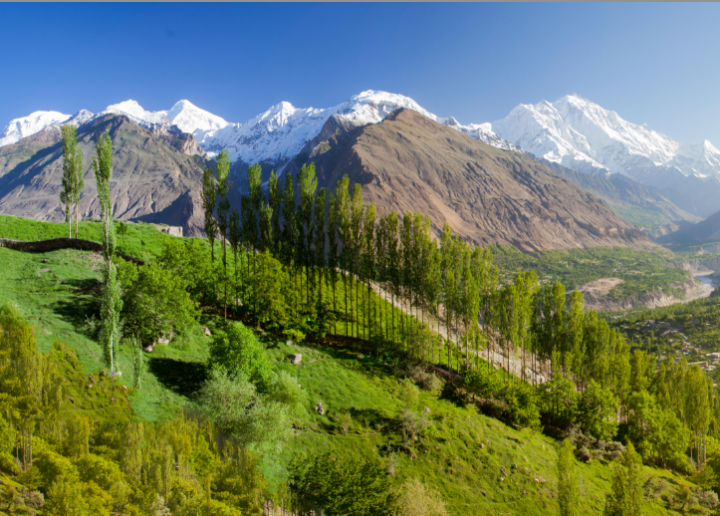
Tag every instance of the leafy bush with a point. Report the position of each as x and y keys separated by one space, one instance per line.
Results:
x=156 y=302
x=358 y=487
x=521 y=402
x=426 y=380
x=482 y=382
x=597 y=412
x=255 y=421
x=237 y=351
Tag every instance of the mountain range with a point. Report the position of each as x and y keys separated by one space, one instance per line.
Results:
x=642 y=175
x=572 y=131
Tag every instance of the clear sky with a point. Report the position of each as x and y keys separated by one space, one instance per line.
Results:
x=652 y=63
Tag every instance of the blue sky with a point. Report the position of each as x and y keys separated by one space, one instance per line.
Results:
x=652 y=63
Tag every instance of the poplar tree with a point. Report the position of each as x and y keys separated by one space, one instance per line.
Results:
x=275 y=200
x=112 y=300
x=368 y=260
x=209 y=197
x=333 y=251
x=223 y=187
x=342 y=210
x=319 y=257
x=235 y=237
x=307 y=185
x=355 y=246
x=567 y=489
x=72 y=180
x=626 y=495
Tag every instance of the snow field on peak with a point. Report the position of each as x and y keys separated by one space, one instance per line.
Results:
x=280 y=133
x=20 y=128
x=582 y=135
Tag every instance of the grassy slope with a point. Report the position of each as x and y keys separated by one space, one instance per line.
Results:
x=642 y=271
x=460 y=454
x=139 y=240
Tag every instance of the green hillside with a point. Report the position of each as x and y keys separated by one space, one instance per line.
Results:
x=376 y=403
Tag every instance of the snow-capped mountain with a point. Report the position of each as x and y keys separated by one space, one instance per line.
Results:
x=581 y=135
x=35 y=122
x=278 y=134
x=273 y=137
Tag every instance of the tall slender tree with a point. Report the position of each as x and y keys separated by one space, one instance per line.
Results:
x=72 y=180
x=567 y=489
x=112 y=300
x=209 y=197
x=223 y=187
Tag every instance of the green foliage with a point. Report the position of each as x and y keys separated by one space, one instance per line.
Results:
x=156 y=303
x=567 y=488
x=72 y=181
x=559 y=398
x=640 y=270
x=272 y=291
x=343 y=488
x=238 y=351
x=626 y=496
x=597 y=412
x=254 y=420
x=521 y=400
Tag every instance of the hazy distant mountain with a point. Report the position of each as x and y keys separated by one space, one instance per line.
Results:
x=583 y=136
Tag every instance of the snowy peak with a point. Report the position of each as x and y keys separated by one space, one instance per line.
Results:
x=584 y=136
x=193 y=120
x=136 y=113
x=280 y=133
x=20 y=128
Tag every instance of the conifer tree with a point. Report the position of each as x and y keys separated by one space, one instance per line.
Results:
x=112 y=300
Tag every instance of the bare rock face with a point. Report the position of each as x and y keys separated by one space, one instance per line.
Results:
x=156 y=175
x=408 y=162
x=206 y=331
x=319 y=408
x=295 y=358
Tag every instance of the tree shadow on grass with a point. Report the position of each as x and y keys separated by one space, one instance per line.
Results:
x=184 y=378
x=83 y=308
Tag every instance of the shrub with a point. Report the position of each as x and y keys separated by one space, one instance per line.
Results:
x=597 y=411
x=482 y=382
x=424 y=379
x=156 y=303
x=521 y=402
x=238 y=352
x=360 y=487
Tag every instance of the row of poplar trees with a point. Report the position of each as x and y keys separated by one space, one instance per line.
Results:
x=332 y=243
x=73 y=183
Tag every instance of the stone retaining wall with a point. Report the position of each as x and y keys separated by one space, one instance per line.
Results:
x=42 y=246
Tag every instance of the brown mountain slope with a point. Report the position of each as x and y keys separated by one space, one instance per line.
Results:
x=156 y=177
x=410 y=163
